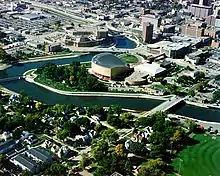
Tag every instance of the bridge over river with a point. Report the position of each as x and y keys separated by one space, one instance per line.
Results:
x=10 y=79
x=166 y=105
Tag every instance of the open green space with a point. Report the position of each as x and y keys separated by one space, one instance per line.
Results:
x=201 y=159
x=129 y=58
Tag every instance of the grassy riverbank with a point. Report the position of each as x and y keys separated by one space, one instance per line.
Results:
x=200 y=159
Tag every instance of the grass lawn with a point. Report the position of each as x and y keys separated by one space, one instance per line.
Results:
x=202 y=159
x=129 y=58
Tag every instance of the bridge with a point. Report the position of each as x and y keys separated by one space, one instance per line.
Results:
x=3 y=80
x=165 y=105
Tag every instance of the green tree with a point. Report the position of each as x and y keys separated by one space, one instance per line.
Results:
x=100 y=171
x=62 y=134
x=110 y=136
x=2 y=160
x=115 y=109
x=56 y=169
x=191 y=93
x=3 y=55
x=114 y=121
x=85 y=161
x=215 y=96
x=154 y=167
x=25 y=173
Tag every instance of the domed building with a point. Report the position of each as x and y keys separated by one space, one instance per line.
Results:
x=107 y=66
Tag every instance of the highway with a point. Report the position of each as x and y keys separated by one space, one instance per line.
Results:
x=59 y=10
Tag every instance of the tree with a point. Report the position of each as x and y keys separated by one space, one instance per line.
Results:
x=177 y=136
x=38 y=105
x=25 y=173
x=126 y=117
x=100 y=171
x=2 y=160
x=85 y=161
x=3 y=55
x=216 y=131
x=216 y=96
x=154 y=167
x=191 y=93
x=56 y=169
x=115 y=109
x=110 y=136
x=120 y=150
x=114 y=121
x=191 y=125
x=157 y=151
x=62 y=134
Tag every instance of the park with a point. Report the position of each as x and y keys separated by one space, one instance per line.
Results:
x=201 y=159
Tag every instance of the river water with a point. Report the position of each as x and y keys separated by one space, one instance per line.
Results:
x=49 y=97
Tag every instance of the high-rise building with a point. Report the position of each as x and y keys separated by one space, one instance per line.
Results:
x=153 y=19
x=202 y=2
x=200 y=11
x=147 y=33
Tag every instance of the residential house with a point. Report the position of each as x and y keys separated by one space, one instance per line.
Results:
x=6 y=146
x=25 y=163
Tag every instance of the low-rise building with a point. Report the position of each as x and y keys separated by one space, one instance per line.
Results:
x=6 y=146
x=176 y=50
x=25 y=163
x=55 y=47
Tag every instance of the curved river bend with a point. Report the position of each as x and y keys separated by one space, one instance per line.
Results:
x=49 y=97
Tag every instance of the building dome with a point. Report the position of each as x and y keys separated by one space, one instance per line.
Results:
x=108 y=66
x=108 y=60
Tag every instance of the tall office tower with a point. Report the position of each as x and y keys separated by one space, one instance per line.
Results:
x=153 y=19
x=202 y=2
x=147 y=33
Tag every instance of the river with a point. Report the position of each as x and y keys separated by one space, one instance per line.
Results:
x=49 y=97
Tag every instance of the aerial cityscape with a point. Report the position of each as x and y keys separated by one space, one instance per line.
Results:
x=110 y=88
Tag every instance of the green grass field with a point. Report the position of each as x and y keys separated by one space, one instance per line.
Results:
x=202 y=159
x=129 y=58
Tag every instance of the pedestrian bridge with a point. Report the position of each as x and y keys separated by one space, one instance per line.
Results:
x=10 y=79
x=166 y=105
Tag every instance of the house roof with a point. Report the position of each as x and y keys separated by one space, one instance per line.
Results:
x=40 y=153
x=7 y=143
x=25 y=161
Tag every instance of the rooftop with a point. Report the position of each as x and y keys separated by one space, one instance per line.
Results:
x=40 y=153
x=25 y=161
x=108 y=60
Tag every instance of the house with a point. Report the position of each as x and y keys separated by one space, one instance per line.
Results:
x=6 y=146
x=63 y=151
x=40 y=154
x=80 y=111
x=25 y=163
x=116 y=174
x=6 y=135
x=31 y=139
x=97 y=117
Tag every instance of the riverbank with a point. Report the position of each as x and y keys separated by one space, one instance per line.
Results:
x=4 y=66
x=31 y=79
x=53 y=58
x=37 y=59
